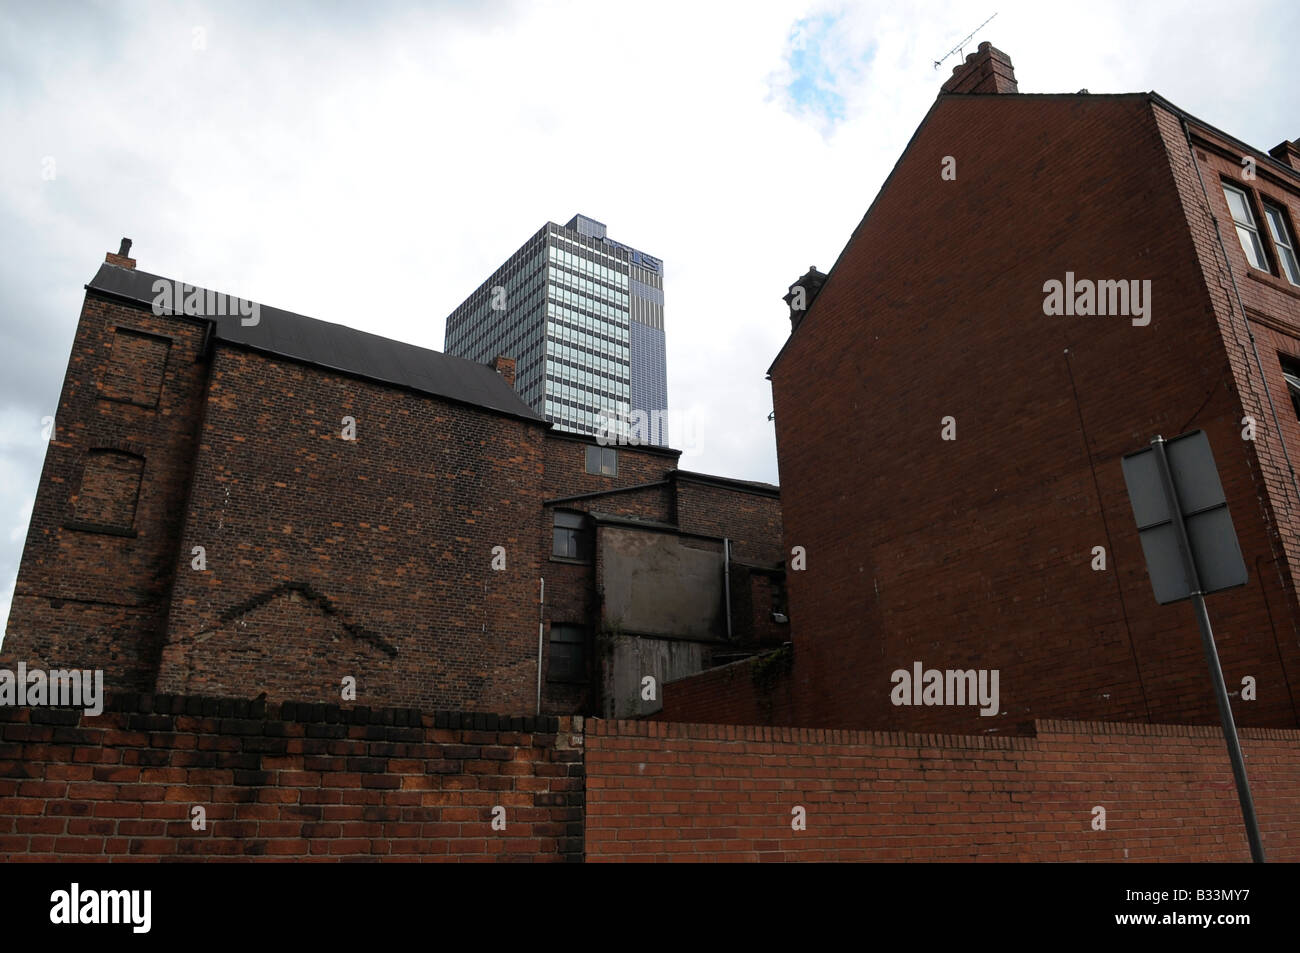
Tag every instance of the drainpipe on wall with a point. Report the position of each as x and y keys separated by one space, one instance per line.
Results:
x=726 y=581
x=541 y=625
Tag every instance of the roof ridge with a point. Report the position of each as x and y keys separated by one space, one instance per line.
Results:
x=337 y=347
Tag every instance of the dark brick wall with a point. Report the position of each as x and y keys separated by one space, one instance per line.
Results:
x=756 y=691
x=389 y=536
x=751 y=519
x=756 y=594
x=976 y=553
x=136 y=366
x=209 y=530
x=573 y=595
x=110 y=487
x=566 y=466
x=570 y=599
x=92 y=596
x=286 y=782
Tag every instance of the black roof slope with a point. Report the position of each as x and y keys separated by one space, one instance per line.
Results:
x=769 y=489
x=340 y=348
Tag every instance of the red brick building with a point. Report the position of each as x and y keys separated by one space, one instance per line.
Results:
x=950 y=451
x=239 y=500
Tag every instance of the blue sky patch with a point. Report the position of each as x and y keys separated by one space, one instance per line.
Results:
x=818 y=67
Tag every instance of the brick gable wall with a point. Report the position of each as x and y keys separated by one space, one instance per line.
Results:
x=976 y=553
x=91 y=595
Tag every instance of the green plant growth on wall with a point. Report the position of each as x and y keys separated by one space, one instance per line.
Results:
x=609 y=633
x=768 y=669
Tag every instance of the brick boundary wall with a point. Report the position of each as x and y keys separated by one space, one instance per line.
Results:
x=324 y=783
x=661 y=791
x=286 y=781
x=753 y=691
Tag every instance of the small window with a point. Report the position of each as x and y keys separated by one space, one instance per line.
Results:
x=1247 y=233
x=568 y=655
x=571 y=538
x=1284 y=240
x=602 y=460
x=110 y=487
x=1291 y=371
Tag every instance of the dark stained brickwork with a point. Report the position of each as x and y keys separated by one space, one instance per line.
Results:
x=96 y=596
x=750 y=518
x=137 y=363
x=110 y=486
x=392 y=530
x=287 y=782
x=218 y=520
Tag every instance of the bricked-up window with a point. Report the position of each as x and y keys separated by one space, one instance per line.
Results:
x=1291 y=371
x=1247 y=232
x=572 y=539
x=135 y=367
x=1283 y=241
x=568 y=657
x=110 y=487
x=602 y=460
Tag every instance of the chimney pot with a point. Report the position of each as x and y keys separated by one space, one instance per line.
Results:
x=802 y=293
x=122 y=259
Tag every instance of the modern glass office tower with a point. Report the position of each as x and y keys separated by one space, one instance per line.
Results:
x=583 y=317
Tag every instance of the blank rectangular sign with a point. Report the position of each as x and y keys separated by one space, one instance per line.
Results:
x=1210 y=533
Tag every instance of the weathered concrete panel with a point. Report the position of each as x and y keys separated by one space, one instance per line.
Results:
x=653 y=584
x=628 y=660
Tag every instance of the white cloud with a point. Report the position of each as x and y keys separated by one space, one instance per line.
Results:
x=18 y=531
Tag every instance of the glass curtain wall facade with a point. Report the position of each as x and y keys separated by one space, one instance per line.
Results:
x=583 y=318
x=506 y=315
x=649 y=368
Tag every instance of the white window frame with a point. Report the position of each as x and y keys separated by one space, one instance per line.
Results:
x=1285 y=242
x=1252 y=247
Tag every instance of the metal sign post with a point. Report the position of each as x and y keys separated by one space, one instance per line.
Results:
x=1207 y=559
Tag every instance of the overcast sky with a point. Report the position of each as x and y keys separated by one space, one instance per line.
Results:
x=370 y=163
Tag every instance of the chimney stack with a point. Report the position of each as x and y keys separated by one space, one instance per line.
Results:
x=505 y=366
x=987 y=70
x=801 y=295
x=1288 y=152
x=121 y=259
